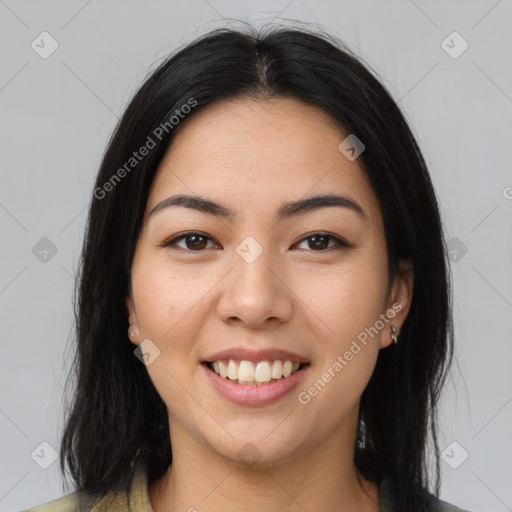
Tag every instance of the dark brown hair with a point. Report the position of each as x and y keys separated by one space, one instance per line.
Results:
x=116 y=415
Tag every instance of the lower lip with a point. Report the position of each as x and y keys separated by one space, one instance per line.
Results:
x=246 y=394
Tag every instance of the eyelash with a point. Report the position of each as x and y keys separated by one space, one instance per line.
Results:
x=171 y=243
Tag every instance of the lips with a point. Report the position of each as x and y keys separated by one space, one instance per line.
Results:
x=249 y=377
x=244 y=354
x=255 y=394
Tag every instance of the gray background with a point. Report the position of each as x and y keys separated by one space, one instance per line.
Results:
x=58 y=112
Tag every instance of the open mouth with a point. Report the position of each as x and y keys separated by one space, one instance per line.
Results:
x=248 y=373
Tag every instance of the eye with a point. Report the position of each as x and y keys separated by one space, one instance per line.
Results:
x=319 y=241
x=196 y=241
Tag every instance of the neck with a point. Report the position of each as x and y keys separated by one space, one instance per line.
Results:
x=320 y=478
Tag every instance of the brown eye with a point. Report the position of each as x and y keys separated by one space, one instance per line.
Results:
x=197 y=242
x=194 y=241
x=319 y=242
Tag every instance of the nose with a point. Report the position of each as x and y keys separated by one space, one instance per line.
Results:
x=256 y=293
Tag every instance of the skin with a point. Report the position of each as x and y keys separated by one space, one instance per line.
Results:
x=252 y=156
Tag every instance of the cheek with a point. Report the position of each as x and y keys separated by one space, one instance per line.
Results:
x=167 y=304
x=165 y=298
x=350 y=297
x=157 y=299
x=348 y=308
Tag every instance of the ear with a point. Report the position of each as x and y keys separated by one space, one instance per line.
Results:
x=133 y=329
x=399 y=301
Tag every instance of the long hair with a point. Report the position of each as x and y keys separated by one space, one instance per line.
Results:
x=116 y=415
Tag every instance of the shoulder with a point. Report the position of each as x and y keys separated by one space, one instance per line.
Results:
x=65 y=504
x=81 y=502
x=448 y=507
x=426 y=501
x=135 y=500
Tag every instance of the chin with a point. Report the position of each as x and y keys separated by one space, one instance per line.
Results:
x=255 y=451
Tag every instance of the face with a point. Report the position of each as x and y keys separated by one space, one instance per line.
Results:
x=264 y=283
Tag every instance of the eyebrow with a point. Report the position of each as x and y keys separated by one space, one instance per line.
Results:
x=285 y=211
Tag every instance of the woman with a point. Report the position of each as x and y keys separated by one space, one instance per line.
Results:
x=264 y=308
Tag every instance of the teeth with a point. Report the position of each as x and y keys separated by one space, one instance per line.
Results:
x=287 y=368
x=247 y=372
x=223 y=369
x=232 y=370
x=277 y=370
x=263 y=372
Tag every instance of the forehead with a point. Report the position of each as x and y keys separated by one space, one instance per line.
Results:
x=265 y=152
x=276 y=130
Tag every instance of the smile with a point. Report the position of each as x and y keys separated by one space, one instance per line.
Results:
x=258 y=373
x=242 y=388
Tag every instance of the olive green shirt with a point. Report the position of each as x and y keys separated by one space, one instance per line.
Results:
x=138 y=501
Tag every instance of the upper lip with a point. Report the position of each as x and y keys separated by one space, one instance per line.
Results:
x=245 y=354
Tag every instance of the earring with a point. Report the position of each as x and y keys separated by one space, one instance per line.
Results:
x=393 y=334
x=131 y=334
